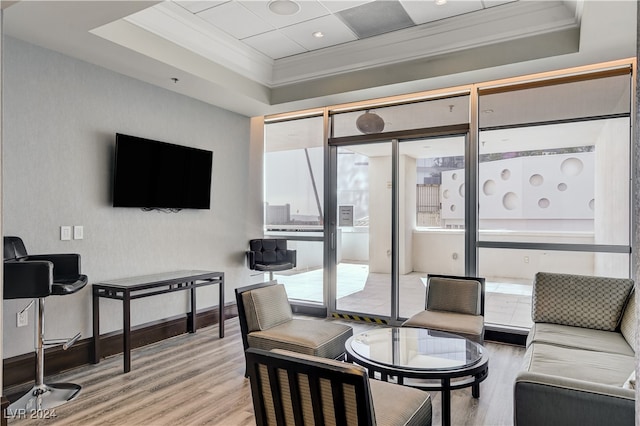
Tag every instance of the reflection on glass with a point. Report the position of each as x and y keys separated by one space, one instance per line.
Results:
x=363 y=251
x=416 y=348
x=432 y=214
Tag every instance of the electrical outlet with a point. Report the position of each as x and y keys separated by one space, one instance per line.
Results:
x=23 y=318
x=526 y=259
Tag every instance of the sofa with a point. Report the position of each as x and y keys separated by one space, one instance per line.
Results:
x=579 y=364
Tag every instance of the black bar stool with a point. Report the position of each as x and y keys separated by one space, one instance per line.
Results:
x=38 y=277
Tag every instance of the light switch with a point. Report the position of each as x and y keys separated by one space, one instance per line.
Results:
x=78 y=232
x=65 y=233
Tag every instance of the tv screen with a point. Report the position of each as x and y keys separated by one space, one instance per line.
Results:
x=153 y=174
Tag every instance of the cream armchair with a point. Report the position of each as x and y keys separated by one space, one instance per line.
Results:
x=266 y=322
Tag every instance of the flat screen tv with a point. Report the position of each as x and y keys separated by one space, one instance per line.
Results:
x=151 y=174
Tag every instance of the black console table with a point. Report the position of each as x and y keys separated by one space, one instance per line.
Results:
x=128 y=289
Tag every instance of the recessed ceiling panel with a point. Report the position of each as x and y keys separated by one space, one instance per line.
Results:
x=332 y=29
x=428 y=11
x=195 y=6
x=274 y=44
x=309 y=9
x=337 y=5
x=235 y=20
x=377 y=17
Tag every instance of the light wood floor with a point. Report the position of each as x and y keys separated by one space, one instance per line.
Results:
x=199 y=379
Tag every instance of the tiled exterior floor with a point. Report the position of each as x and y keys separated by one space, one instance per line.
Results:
x=506 y=303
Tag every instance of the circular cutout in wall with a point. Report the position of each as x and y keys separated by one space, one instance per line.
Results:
x=536 y=180
x=592 y=204
x=445 y=193
x=572 y=166
x=543 y=203
x=452 y=208
x=562 y=187
x=454 y=176
x=505 y=174
x=461 y=190
x=489 y=187
x=510 y=201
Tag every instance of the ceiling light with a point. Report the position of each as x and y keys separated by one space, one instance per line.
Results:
x=284 y=7
x=370 y=122
x=440 y=2
x=318 y=34
x=487 y=111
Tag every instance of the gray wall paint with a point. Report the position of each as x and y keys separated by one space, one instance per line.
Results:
x=60 y=120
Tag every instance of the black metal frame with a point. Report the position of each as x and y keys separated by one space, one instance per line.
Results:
x=315 y=371
x=145 y=288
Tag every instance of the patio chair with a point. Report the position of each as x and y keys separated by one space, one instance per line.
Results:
x=291 y=388
x=453 y=304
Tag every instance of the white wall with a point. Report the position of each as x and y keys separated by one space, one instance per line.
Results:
x=60 y=120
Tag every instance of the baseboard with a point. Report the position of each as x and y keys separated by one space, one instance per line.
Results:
x=20 y=370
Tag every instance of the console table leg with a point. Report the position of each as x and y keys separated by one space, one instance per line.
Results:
x=192 y=325
x=221 y=307
x=126 y=331
x=96 y=328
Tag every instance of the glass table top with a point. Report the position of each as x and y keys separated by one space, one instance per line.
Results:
x=416 y=348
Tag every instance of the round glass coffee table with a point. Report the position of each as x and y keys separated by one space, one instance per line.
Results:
x=424 y=359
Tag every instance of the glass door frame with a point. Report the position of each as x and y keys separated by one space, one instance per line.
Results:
x=396 y=138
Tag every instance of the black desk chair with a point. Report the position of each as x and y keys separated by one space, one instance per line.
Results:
x=270 y=255
x=38 y=277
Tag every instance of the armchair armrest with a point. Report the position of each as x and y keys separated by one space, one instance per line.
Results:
x=65 y=266
x=27 y=279
x=251 y=259
x=292 y=257
x=541 y=399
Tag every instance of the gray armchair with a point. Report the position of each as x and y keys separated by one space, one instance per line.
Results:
x=266 y=322
x=291 y=388
x=453 y=304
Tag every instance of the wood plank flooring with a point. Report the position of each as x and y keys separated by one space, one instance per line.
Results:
x=198 y=379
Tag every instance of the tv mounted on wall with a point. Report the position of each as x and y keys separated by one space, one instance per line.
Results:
x=150 y=174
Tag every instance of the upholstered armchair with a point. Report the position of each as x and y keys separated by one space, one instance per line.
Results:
x=453 y=304
x=269 y=255
x=266 y=322
x=292 y=388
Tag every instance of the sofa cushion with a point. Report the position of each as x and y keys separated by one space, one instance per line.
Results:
x=266 y=307
x=312 y=337
x=579 y=300
x=591 y=366
x=629 y=322
x=579 y=338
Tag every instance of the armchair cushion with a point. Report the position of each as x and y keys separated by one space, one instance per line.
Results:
x=454 y=295
x=266 y=307
x=591 y=306
x=312 y=337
